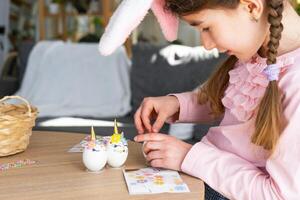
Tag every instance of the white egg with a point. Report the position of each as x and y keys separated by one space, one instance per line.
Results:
x=117 y=154
x=94 y=159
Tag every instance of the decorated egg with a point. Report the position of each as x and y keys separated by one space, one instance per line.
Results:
x=117 y=152
x=94 y=158
x=117 y=149
x=94 y=155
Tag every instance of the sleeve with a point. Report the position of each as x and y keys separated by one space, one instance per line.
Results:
x=190 y=110
x=237 y=178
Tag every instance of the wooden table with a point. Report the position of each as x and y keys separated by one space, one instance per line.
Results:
x=62 y=175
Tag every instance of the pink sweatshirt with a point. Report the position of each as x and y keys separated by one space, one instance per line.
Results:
x=225 y=158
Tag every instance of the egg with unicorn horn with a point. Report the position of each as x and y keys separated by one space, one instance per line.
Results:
x=117 y=151
x=94 y=155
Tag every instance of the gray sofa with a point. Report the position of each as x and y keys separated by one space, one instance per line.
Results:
x=150 y=77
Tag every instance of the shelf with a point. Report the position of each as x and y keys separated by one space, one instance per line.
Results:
x=79 y=14
x=73 y=15
x=53 y=15
x=61 y=17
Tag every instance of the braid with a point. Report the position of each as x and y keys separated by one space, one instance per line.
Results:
x=274 y=18
x=268 y=123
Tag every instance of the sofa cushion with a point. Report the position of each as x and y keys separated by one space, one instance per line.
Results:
x=152 y=75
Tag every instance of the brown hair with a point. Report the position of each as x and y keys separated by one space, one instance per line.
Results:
x=268 y=124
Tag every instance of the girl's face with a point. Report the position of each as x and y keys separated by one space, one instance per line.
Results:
x=232 y=31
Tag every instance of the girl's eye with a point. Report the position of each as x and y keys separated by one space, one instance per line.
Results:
x=205 y=29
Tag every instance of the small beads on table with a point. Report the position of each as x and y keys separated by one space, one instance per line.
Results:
x=16 y=164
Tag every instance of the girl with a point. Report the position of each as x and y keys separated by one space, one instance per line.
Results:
x=254 y=153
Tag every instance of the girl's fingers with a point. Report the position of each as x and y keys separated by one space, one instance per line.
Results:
x=160 y=120
x=145 y=116
x=153 y=155
x=158 y=163
x=151 y=146
x=150 y=137
x=138 y=122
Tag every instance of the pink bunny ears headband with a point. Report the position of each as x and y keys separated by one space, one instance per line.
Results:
x=128 y=16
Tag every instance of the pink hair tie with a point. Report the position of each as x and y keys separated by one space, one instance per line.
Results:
x=272 y=72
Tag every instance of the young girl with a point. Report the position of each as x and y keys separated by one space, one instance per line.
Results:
x=255 y=151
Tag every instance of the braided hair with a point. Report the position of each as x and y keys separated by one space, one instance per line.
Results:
x=268 y=124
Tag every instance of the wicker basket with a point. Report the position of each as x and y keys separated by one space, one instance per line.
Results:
x=16 y=122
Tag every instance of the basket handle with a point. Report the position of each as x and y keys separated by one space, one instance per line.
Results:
x=20 y=98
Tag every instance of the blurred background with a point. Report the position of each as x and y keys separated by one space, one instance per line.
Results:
x=49 y=56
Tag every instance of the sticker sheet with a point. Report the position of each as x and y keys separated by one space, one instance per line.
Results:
x=153 y=181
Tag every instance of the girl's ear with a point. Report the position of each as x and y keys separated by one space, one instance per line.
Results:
x=254 y=7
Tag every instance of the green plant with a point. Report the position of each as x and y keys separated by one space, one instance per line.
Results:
x=99 y=25
x=98 y=21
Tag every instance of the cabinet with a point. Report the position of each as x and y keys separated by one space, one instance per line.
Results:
x=60 y=20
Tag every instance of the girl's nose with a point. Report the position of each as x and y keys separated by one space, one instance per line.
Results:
x=207 y=42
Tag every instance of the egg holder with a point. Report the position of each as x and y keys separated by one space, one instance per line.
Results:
x=105 y=152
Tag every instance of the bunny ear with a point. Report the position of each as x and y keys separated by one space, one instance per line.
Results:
x=168 y=22
x=125 y=19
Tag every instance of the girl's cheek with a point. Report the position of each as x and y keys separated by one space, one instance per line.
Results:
x=216 y=39
x=222 y=40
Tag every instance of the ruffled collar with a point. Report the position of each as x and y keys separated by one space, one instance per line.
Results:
x=248 y=83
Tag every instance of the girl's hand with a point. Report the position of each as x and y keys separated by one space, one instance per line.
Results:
x=158 y=109
x=164 y=151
